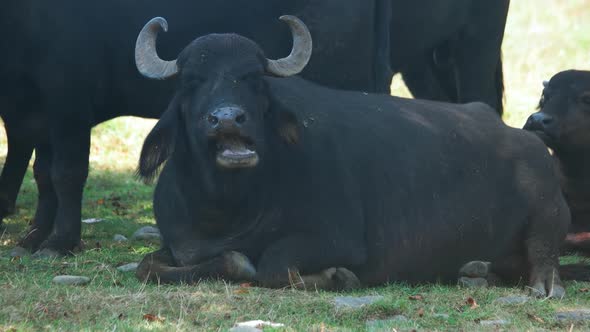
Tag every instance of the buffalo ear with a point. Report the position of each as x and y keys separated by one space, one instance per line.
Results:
x=159 y=143
x=289 y=128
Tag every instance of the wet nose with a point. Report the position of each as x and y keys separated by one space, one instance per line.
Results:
x=227 y=117
x=539 y=121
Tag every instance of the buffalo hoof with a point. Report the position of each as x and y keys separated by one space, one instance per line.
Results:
x=545 y=283
x=475 y=269
x=57 y=247
x=343 y=279
x=331 y=279
x=239 y=266
x=33 y=240
x=554 y=292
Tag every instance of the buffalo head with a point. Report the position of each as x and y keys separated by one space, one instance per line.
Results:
x=563 y=119
x=221 y=109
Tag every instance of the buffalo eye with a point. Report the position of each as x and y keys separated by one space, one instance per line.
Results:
x=191 y=81
x=542 y=101
x=585 y=98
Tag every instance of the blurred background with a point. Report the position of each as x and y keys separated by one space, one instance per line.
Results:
x=542 y=37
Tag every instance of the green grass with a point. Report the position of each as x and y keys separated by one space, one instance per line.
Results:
x=542 y=38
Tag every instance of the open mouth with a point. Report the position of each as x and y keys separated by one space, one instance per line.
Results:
x=235 y=152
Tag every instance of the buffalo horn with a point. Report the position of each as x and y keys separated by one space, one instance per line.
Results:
x=300 y=54
x=147 y=60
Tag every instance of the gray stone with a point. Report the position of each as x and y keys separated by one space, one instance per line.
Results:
x=512 y=300
x=472 y=282
x=495 y=322
x=254 y=326
x=475 y=269
x=119 y=238
x=573 y=315
x=146 y=233
x=71 y=280
x=128 y=267
x=18 y=252
x=342 y=302
x=244 y=329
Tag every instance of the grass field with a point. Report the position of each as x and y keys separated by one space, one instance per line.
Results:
x=542 y=38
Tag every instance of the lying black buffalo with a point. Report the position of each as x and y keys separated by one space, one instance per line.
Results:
x=563 y=123
x=279 y=180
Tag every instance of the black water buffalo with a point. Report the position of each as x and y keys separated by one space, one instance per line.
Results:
x=449 y=50
x=281 y=181
x=563 y=123
x=66 y=68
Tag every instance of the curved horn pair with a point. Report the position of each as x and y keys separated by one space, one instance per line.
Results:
x=151 y=66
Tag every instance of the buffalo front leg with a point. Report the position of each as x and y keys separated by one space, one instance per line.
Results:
x=20 y=149
x=69 y=170
x=160 y=267
x=305 y=262
x=46 y=200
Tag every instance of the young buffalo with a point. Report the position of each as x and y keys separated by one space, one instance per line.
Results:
x=280 y=181
x=563 y=123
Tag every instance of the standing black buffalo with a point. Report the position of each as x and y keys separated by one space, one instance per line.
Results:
x=68 y=67
x=563 y=123
x=449 y=50
x=279 y=180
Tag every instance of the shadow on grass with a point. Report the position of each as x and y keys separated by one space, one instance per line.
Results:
x=121 y=201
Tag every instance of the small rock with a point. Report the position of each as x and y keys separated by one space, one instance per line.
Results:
x=443 y=316
x=512 y=300
x=71 y=280
x=18 y=252
x=352 y=302
x=146 y=233
x=475 y=269
x=244 y=329
x=119 y=238
x=92 y=220
x=472 y=282
x=573 y=315
x=128 y=267
x=254 y=326
x=494 y=322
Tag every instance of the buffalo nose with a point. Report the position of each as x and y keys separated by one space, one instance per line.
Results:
x=230 y=116
x=539 y=121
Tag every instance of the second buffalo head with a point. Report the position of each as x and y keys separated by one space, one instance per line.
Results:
x=563 y=119
x=221 y=108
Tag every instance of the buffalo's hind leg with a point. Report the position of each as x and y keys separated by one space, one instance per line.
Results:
x=310 y=263
x=160 y=267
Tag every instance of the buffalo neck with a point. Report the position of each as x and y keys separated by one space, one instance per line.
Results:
x=574 y=163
